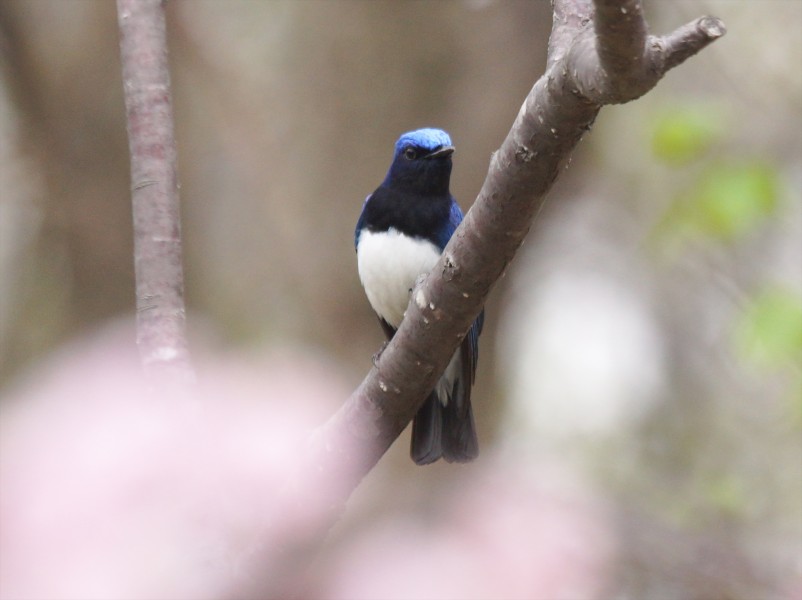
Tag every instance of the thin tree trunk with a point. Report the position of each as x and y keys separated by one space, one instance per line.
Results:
x=161 y=315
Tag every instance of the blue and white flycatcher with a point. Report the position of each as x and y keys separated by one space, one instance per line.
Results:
x=400 y=235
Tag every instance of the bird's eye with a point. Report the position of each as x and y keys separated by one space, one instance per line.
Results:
x=410 y=154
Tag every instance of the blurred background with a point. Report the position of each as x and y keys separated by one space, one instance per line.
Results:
x=646 y=342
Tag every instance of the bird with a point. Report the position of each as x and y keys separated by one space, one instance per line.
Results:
x=401 y=232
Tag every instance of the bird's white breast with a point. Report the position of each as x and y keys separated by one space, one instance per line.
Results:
x=389 y=263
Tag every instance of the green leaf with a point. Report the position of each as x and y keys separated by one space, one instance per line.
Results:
x=770 y=330
x=681 y=135
x=731 y=199
x=727 y=201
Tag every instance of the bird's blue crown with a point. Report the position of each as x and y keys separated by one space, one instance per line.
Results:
x=428 y=138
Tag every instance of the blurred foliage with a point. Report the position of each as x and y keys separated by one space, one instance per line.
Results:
x=769 y=335
x=770 y=330
x=728 y=200
x=682 y=134
x=729 y=196
x=726 y=492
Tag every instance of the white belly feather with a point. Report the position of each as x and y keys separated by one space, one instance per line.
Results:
x=389 y=263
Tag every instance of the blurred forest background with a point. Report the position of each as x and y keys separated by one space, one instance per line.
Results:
x=647 y=339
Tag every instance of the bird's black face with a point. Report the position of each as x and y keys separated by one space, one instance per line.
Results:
x=420 y=170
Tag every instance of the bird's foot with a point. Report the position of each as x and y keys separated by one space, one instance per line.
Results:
x=378 y=354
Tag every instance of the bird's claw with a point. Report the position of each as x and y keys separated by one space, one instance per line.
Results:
x=378 y=354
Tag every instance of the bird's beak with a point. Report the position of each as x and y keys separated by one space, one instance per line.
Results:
x=442 y=152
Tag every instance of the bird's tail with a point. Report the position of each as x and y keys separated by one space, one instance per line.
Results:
x=444 y=431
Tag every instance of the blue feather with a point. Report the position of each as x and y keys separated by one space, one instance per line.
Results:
x=430 y=139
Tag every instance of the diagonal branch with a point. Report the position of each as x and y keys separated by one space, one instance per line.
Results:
x=594 y=59
x=161 y=319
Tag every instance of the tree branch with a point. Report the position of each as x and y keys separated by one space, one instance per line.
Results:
x=161 y=318
x=689 y=39
x=620 y=41
x=627 y=62
x=594 y=59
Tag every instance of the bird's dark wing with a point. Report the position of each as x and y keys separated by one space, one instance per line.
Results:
x=448 y=430
x=360 y=224
x=458 y=441
x=470 y=346
x=426 y=444
x=454 y=219
x=388 y=329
